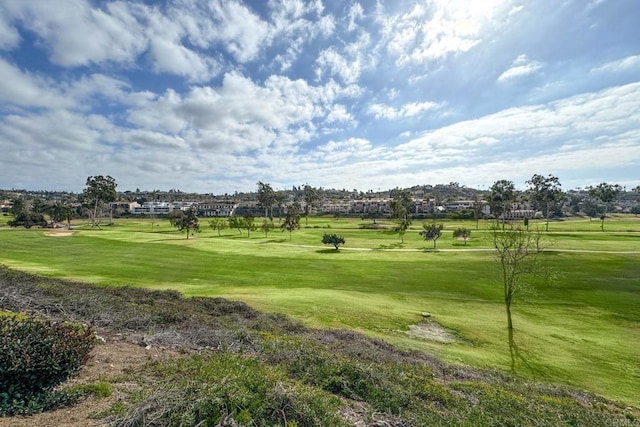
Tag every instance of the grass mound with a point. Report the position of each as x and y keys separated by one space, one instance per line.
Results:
x=243 y=367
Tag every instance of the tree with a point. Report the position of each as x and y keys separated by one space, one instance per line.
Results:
x=401 y=206
x=279 y=199
x=100 y=189
x=27 y=219
x=431 y=232
x=292 y=219
x=462 y=233
x=311 y=199
x=544 y=191
x=236 y=222
x=267 y=226
x=500 y=198
x=266 y=198
x=218 y=224
x=477 y=209
x=517 y=251
x=23 y=216
x=333 y=239
x=186 y=221
x=63 y=212
x=17 y=206
x=606 y=193
x=39 y=206
x=248 y=224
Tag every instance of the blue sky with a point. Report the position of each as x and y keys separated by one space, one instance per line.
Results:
x=213 y=96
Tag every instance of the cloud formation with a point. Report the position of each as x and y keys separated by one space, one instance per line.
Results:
x=214 y=96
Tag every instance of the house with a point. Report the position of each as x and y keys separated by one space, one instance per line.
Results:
x=216 y=209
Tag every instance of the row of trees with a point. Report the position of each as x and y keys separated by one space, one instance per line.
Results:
x=187 y=221
x=544 y=193
x=27 y=216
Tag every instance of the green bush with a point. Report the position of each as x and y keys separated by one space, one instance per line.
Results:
x=36 y=356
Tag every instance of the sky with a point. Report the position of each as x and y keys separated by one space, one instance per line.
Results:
x=214 y=96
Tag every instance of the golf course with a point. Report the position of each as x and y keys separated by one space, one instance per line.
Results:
x=581 y=328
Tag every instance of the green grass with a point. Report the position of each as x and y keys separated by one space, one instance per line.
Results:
x=583 y=331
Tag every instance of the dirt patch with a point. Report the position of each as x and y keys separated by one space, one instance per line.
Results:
x=58 y=233
x=431 y=331
x=110 y=362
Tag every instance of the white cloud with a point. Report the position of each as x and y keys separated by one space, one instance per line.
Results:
x=356 y=12
x=338 y=151
x=229 y=23
x=630 y=63
x=437 y=29
x=9 y=37
x=241 y=115
x=339 y=114
x=335 y=64
x=174 y=58
x=76 y=34
x=598 y=118
x=382 y=111
x=25 y=90
x=522 y=66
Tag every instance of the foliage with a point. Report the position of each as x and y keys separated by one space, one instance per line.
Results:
x=544 y=191
x=292 y=219
x=311 y=199
x=267 y=226
x=24 y=216
x=63 y=212
x=218 y=224
x=478 y=205
x=236 y=222
x=462 y=233
x=431 y=232
x=266 y=198
x=401 y=206
x=185 y=221
x=606 y=193
x=100 y=189
x=36 y=356
x=228 y=389
x=517 y=251
x=501 y=197
x=248 y=223
x=27 y=219
x=333 y=239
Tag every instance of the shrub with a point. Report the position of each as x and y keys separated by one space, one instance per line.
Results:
x=36 y=356
x=229 y=389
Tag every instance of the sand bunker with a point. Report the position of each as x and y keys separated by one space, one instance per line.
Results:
x=58 y=233
x=431 y=331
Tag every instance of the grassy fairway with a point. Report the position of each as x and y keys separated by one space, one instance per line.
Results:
x=583 y=331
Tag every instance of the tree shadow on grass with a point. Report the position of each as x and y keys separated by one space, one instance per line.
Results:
x=275 y=241
x=327 y=251
x=517 y=356
x=397 y=245
x=434 y=250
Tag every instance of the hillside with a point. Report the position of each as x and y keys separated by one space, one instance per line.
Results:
x=170 y=360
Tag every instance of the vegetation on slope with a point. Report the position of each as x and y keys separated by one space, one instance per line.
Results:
x=250 y=368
